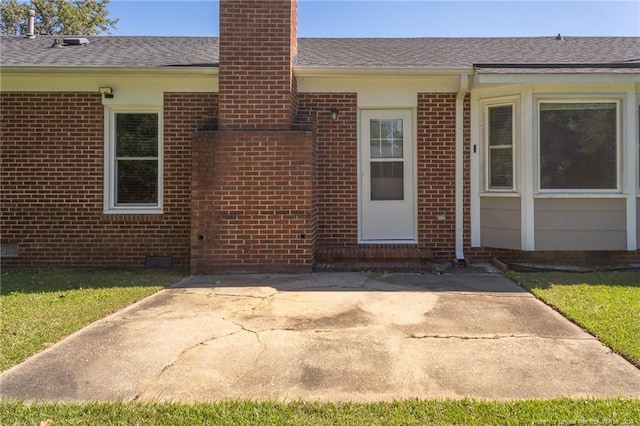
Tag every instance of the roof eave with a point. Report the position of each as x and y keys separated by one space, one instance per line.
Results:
x=560 y=77
x=168 y=70
x=305 y=71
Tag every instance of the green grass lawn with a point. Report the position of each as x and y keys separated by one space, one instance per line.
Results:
x=614 y=411
x=40 y=306
x=607 y=304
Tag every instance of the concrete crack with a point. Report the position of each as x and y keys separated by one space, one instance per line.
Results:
x=494 y=337
x=244 y=296
x=256 y=333
x=192 y=347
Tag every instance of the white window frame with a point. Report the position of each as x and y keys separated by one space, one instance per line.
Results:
x=110 y=206
x=579 y=99
x=492 y=103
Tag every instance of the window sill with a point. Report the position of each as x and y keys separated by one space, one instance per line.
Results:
x=500 y=194
x=580 y=195
x=133 y=215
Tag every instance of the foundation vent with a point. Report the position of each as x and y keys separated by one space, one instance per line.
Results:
x=9 y=250
x=159 y=262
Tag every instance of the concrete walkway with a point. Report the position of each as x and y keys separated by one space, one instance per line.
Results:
x=328 y=336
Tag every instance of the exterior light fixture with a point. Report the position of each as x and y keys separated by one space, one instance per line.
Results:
x=334 y=113
x=107 y=92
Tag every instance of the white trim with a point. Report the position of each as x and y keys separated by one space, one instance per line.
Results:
x=630 y=166
x=384 y=113
x=464 y=84
x=584 y=195
x=488 y=79
x=109 y=71
x=527 y=170
x=514 y=102
x=474 y=168
x=109 y=205
x=299 y=71
x=500 y=195
x=579 y=98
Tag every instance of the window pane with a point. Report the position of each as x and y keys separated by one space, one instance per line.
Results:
x=374 y=126
x=387 y=180
x=578 y=146
x=386 y=138
x=136 y=135
x=501 y=166
x=500 y=125
x=137 y=182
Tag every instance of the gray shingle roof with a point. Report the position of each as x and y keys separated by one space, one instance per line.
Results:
x=108 y=51
x=152 y=52
x=464 y=52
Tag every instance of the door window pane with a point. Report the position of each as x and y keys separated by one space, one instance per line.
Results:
x=386 y=138
x=387 y=180
x=578 y=145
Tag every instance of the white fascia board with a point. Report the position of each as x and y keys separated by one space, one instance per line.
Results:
x=382 y=72
x=107 y=71
x=488 y=79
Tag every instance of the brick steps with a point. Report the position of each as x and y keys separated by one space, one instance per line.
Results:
x=374 y=259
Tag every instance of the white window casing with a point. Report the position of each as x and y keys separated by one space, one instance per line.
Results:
x=489 y=149
x=577 y=99
x=111 y=206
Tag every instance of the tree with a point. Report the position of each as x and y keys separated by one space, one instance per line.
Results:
x=68 y=17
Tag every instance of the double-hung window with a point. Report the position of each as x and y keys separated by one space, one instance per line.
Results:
x=499 y=137
x=578 y=145
x=133 y=161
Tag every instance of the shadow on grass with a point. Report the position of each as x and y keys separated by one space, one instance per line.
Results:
x=42 y=280
x=544 y=280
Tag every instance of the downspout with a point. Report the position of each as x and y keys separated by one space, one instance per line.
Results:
x=464 y=85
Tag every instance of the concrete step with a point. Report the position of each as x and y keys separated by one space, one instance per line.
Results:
x=377 y=266
x=375 y=258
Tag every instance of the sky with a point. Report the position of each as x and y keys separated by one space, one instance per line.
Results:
x=397 y=18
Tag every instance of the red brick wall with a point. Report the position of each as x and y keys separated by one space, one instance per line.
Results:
x=337 y=159
x=436 y=152
x=257 y=46
x=51 y=182
x=252 y=201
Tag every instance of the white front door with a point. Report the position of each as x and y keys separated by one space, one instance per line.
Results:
x=387 y=208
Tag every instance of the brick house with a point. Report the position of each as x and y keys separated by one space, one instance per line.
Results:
x=259 y=151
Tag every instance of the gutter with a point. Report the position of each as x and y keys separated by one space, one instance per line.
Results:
x=302 y=71
x=539 y=65
x=108 y=71
x=459 y=192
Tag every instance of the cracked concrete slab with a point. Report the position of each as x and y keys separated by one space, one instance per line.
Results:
x=328 y=336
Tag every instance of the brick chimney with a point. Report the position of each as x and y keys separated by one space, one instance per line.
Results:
x=252 y=190
x=258 y=44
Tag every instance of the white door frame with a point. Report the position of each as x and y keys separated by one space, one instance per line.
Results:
x=410 y=232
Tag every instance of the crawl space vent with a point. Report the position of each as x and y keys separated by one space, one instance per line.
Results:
x=159 y=262
x=9 y=250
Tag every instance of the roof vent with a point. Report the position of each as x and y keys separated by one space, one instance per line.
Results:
x=31 y=24
x=559 y=37
x=76 y=41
